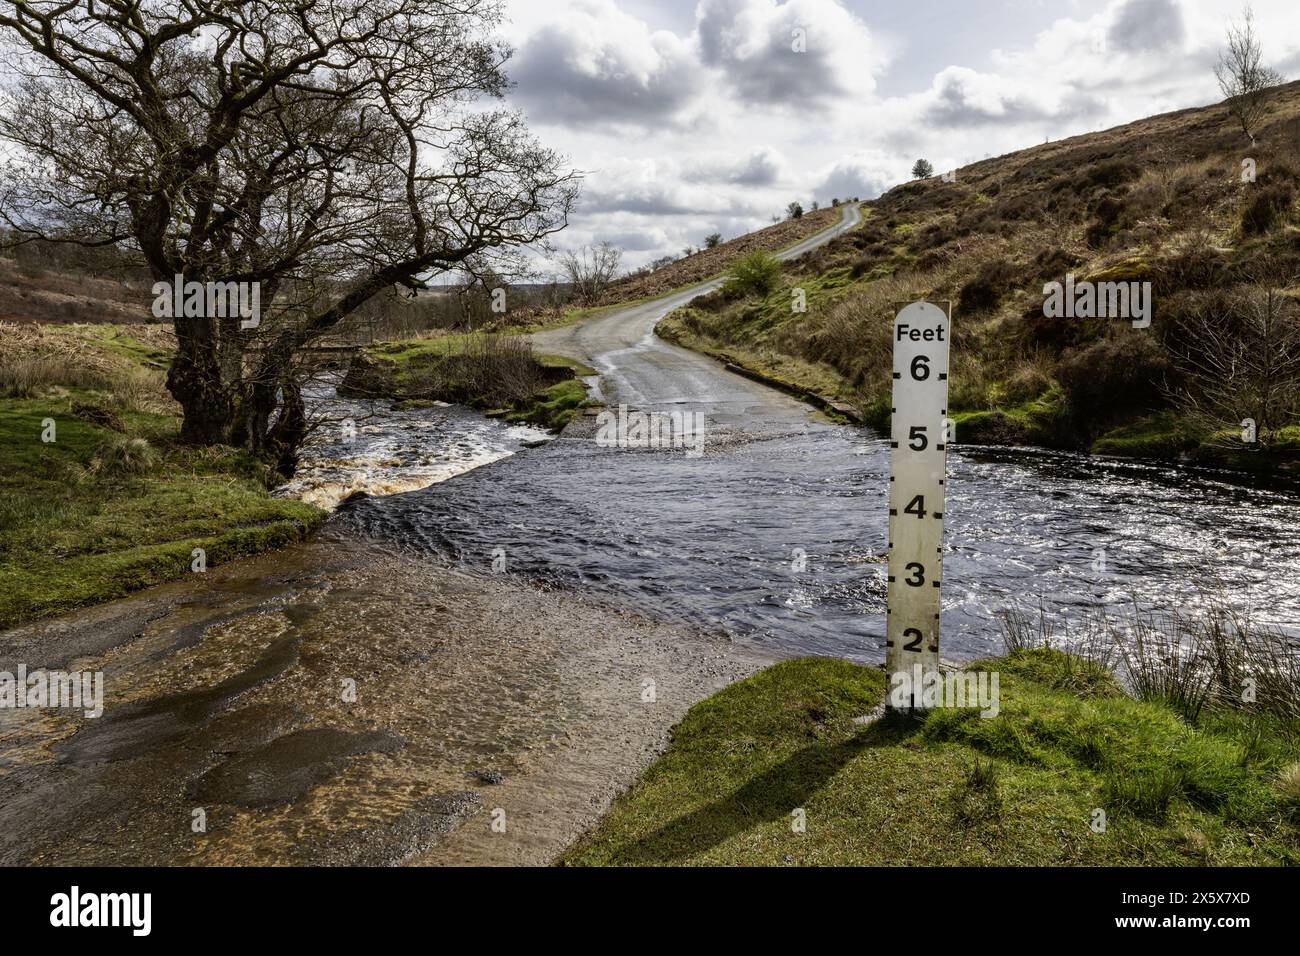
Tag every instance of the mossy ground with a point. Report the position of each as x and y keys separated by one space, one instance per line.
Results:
x=554 y=408
x=954 y=788
x=1162 y=435
x=72 y=536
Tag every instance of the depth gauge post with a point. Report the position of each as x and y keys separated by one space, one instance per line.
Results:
x=917 y=472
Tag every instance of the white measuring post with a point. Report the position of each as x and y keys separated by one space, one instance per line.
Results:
x=917 y=470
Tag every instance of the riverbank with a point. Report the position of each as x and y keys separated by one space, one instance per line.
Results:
x=780 y=769
x=1039 y=421
x=335 y=703
x=498 y=374
x=98 y=498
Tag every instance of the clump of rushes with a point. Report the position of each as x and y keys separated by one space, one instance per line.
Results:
x=1288 y=786
x=1148 y=794
x=122 y=456
x=978 y=798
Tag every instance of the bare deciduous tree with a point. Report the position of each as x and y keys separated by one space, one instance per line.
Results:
x=590 y=270
x=1243 y=78
x=328 y=150
x=1240 y=358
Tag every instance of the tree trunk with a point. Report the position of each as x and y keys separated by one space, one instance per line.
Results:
x=196 y=381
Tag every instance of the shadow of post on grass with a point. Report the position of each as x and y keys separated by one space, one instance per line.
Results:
x=768 y=796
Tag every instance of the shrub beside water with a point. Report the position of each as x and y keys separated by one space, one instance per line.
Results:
x=1105 y=381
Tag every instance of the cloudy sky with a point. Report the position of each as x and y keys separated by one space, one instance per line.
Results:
x=695 y=116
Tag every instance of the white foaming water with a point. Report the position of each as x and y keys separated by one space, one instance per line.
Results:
x=363 y=445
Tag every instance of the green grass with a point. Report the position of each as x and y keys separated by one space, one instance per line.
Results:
x=112 y=339
x=413 y=351
x=72 y=534
x=581 y=369
x=952 y=788
x=1163 y=435
x=1034 y=422
x=553 y=408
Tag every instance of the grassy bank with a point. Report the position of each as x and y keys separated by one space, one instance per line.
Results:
x=497 y=373
x=954 y=788
x=114 y=503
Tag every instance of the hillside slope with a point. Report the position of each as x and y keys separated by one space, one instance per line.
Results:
x=1160 y=201
x=707 y=263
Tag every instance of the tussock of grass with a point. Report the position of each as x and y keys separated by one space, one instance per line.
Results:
x=951 y=788
x=119 y=456
x=26 y=376
x=979 y=798
x=1288 y=785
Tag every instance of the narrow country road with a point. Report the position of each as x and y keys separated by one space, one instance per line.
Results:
x=638 y=369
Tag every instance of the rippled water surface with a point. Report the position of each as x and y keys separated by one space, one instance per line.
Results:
x=718 y=540
x=363 y=445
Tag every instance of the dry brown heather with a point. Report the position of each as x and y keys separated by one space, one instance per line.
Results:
x=1160 y=200
x=32 y=291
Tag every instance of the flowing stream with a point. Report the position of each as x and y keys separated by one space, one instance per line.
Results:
x=776 y=534
x=778 y=537
x=366 y=447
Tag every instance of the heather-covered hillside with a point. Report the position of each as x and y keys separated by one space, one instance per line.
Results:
x=1167 y=201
